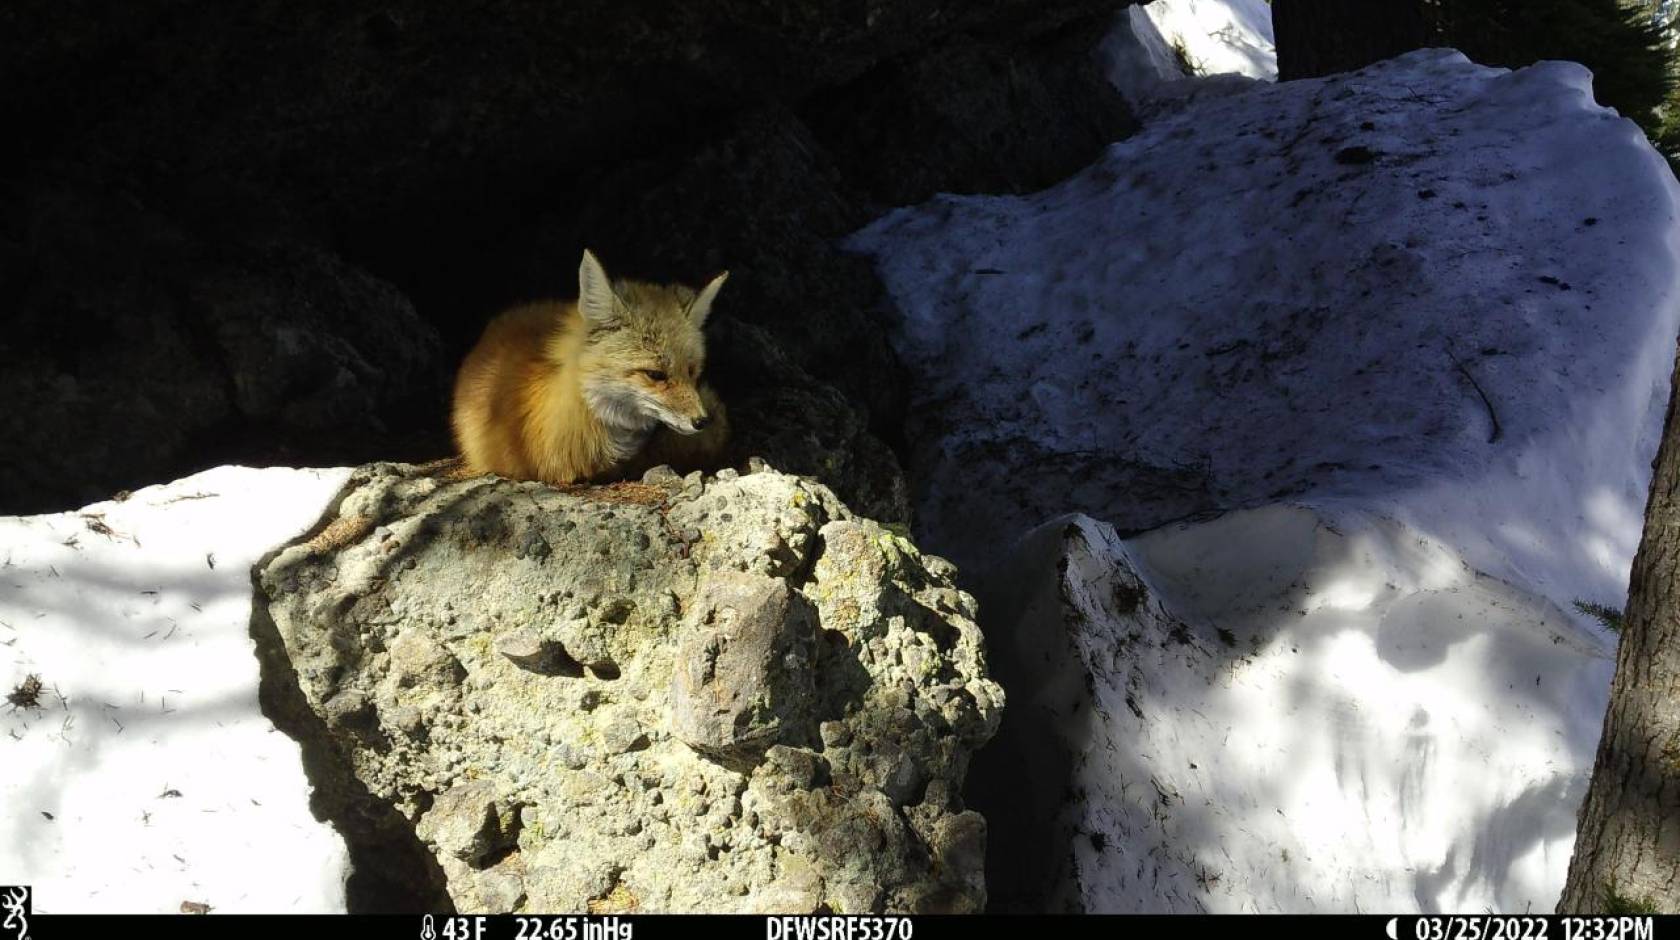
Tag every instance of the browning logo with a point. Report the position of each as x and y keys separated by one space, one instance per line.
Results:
x=14 y=903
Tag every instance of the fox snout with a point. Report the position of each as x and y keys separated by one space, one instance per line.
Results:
x=688 y=424
x=680 y=408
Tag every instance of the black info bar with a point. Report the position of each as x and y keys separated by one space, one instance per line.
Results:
x=632 y=926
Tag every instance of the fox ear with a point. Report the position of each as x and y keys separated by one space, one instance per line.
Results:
x=596 y=300
x=702 y=306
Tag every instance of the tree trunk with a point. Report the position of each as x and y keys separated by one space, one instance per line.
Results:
x=1627 y=849
x=1321 y=37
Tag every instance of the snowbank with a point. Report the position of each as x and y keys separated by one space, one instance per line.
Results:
x=1430 y=288
x=148 y=776
x=1430 y=303
x=1281 y=710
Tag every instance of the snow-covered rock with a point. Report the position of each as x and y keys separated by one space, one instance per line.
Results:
x=1154 y=47
x=148 y=775
x=1426 y=304
x=1287 y=710
x=1429 y=287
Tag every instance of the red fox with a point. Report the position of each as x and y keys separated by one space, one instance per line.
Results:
x=591 y=390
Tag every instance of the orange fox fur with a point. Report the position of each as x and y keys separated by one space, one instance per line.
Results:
x=596 y=389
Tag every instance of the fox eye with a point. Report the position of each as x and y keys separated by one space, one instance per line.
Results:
x=657 y=375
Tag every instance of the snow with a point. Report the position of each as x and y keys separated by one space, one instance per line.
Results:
x=1307 y=288
x=1226 y=40
x=149 y=776
x=1425 y=311
x=1219 y=36
x=1310 y=713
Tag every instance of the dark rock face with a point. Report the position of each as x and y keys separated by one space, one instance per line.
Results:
x=267 y=232
x=356 y=110
x=985 y=115
x=136 y=349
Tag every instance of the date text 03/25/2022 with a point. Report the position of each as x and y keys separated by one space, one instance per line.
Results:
x=1495 y=927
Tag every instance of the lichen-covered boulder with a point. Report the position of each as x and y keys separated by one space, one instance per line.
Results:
x=685 y=694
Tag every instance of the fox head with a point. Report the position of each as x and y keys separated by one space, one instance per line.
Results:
x=643 y=351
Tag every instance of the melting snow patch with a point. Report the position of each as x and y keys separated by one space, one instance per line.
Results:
x=146 y=775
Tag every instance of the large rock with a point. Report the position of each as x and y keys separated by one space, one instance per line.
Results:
x=700 y=694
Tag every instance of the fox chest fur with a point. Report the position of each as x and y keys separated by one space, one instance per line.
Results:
x=593 y=389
